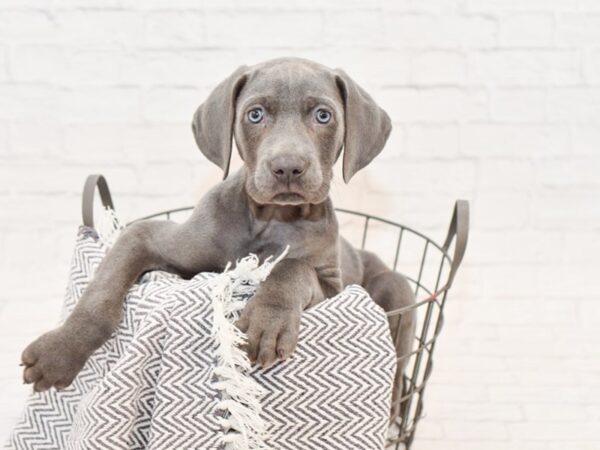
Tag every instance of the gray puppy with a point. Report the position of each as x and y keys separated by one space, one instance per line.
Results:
x=290 y=119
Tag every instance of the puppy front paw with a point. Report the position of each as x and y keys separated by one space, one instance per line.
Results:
x=53 y=360
x=272 y=331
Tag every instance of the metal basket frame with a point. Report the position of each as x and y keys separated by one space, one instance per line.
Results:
x=450 y=253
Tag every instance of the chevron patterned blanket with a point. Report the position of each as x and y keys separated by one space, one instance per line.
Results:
x=153 y=385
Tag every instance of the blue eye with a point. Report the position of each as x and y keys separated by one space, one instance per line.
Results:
x=255 y=115
x=322 y=116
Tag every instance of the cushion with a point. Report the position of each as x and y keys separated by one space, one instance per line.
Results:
x=157 y=383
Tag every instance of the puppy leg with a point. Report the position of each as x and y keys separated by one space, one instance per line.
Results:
x=271 y=319
x=391 y=291
x=55 y=358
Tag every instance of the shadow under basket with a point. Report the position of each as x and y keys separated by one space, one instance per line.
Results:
x=429 y=267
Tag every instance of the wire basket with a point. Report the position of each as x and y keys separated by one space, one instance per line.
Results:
x=428 y=266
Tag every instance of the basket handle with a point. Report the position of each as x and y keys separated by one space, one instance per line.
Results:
x=87 y=202
x=459 y=230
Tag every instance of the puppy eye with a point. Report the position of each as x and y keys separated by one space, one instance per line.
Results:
x=323 y=116
x=255 y=115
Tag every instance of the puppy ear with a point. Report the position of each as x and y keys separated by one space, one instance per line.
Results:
x=367 y=126
x=213 y=121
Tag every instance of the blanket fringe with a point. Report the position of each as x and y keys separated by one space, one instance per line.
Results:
x=108 y=226
x=243 y=427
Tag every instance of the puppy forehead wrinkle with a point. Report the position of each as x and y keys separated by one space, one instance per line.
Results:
x=313 y=100
x=290 y=77
x=254 y=100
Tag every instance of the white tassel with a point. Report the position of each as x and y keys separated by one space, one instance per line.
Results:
x=108 y=226
x=244 y=428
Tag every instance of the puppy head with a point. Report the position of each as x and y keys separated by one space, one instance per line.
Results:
x=290 y=119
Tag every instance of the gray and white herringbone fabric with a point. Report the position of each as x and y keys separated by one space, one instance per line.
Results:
x=151 y=385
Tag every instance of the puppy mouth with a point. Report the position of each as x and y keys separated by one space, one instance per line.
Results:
x=289 y=198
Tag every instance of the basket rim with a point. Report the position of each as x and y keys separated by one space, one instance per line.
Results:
x=342 y=210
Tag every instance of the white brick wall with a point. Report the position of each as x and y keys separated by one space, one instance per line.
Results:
x=496 y=101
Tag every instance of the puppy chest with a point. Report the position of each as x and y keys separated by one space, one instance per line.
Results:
x=302 y=237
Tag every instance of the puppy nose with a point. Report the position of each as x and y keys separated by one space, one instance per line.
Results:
x=287 y=168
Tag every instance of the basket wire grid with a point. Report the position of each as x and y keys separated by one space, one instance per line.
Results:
x=428 y=266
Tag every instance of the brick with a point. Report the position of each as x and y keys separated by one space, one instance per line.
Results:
x=475 y=394
x=585 y=139
x=432 y=141
x=520 y=5
x=550 y=378
x=470 y=363
x=42 y=179
x=514 y=141
x=530 y=333
x=431 y=6
x=463 y=377
x=439 y=67
x=588 y=5
x=582 y=247
x=515 y=307
x=29 y=4
x=163 y=143
x=97 y=144
x=64 y=66
x=130 y=145
x=517 y=346
x=417 y=176
x=501 y=210
x=4 y=138
x=508 y=174
x=526 y=67
x=3 y=65
x=572 y=281
x=431 y=429
x=581 y=172
x=172 y=105
x=249 y=29
x=27 y=212
x=539 y=394
x=30 y=138
x=354 y=29
x=589 y=315
x=182 y=5
x=470 y=431
x=591 y=65
x=516 y=246
x=91 y=105
x=27 y=102
x=474 y=412
x=27 y=25
x=438 y=104
x=166 y=179
x=527 y=29
x=574 y=105
x=167 y=28
x=578 y=28
x=371 y=65
x=163 y=67
x=21 y=321
x=87 y=4
x=96 y=27
x=565 y=413
x=425 y=30
x=575 y=209
x=565 y=432
x=519 y=105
